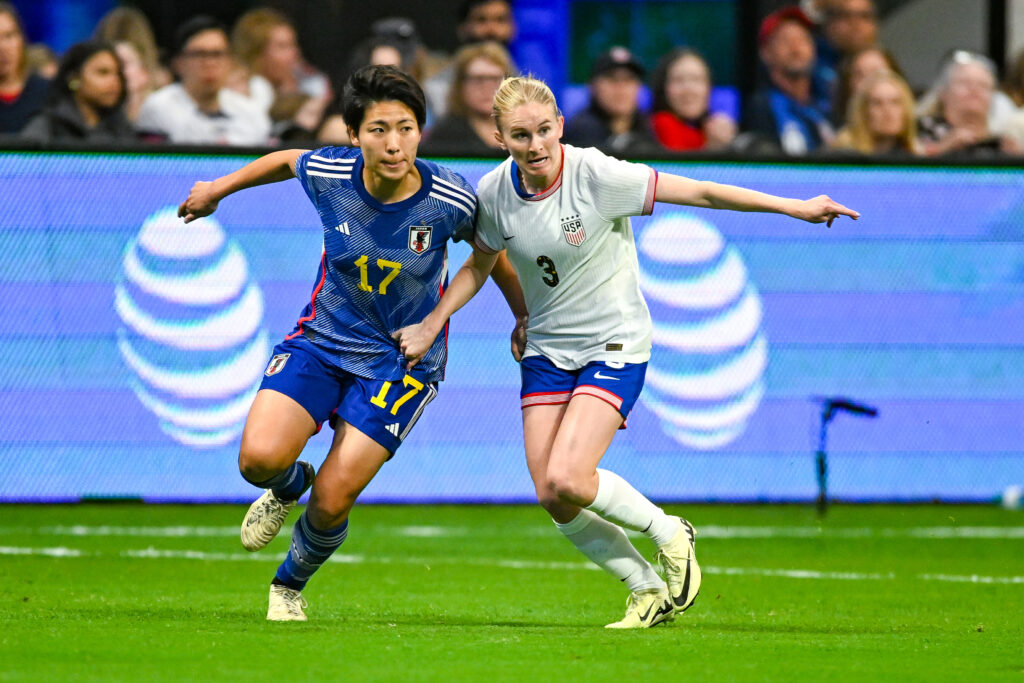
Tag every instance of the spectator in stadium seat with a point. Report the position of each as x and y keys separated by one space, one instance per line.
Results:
x=200 y=109
x=881 y=120
x=681 y=87
x=562 y=215
x=853 y=72
x=126 y=24
x=86 y=100
x=848 y=26
x=137 y=77
x=792 y=110
x=468 y=127
x=22 y=92
x=265 y=43
x=614 y=121
x=954 y=114
x=478 y=21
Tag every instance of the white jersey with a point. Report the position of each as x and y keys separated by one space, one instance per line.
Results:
x=572 y=247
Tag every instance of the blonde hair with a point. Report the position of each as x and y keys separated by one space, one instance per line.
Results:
x=857 y=136
x=519 y=90
x=493 y=53
x=130 y=25
x=252 y=32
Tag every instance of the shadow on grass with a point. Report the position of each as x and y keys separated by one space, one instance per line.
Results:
x=802 y=629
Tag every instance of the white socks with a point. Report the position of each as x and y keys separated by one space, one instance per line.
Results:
x=607 y=546
x=618 y=502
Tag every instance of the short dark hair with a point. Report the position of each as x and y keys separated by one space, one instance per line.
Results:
x=469 y=5
x=70 y=69
x=190 y=28
x=372 y=84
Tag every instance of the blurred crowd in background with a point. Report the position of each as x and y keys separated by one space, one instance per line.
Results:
x=826 y=87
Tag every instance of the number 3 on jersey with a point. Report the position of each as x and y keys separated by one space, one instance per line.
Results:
x=550 y=276
x=383 y=264
x=380 y=400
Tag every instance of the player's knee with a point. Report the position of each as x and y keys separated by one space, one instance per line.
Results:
x=259 y=464
x=566 y=485
x=548 y=499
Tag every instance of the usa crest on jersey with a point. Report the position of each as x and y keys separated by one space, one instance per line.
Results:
x=572 y=228
x=419 y=238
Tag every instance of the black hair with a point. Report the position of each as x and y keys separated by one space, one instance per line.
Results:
x=659 y=77
x=372 y=84
x=70 y=69
x=190 y=28
x=469 y=5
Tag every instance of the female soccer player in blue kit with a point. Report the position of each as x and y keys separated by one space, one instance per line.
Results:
x=562 y=214
x=386 y=219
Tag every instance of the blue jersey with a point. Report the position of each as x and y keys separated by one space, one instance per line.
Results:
x=384 y=266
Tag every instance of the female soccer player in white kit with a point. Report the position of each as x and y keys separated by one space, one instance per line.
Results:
x=562 y=215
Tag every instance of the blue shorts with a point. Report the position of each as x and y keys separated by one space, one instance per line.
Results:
x=385 y=411
x=617 y=384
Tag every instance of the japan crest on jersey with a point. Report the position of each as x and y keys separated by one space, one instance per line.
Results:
x=419 y=238
x=277 y=364
x=572 y=228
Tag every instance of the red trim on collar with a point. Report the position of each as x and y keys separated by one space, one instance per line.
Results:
x=555 y=184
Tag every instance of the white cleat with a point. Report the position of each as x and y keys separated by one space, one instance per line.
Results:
x=286 y=604
x=265 y=517
x=645 y=609
x=678 y=560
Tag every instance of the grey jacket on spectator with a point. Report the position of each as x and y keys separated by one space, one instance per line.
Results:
x=63 y=121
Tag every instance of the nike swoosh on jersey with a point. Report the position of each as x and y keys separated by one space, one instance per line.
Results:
x=507 y=237
x=598 y=375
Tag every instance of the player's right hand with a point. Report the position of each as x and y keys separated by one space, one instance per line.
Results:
x=201 y=202
x=414 y=341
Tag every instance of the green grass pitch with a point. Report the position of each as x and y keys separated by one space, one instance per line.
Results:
x=489 y=593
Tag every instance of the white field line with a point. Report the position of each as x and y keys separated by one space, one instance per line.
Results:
x=425 y=531
x=159 y=554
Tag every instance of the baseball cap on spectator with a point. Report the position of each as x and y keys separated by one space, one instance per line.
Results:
x=775 y=19
x=617 y=57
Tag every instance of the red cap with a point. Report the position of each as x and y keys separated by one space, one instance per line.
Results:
x=773 y=20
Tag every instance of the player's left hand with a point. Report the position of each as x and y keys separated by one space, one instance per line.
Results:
x=201 y=202
x=414 y=342
x=822 y=209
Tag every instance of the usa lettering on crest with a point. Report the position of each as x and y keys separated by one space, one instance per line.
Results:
x=572 y=228
x=277 y=364
x=419 y=238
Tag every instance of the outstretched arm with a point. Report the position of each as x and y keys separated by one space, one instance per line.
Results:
x=416 y=340
x=272 y=168
x=674 y=189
